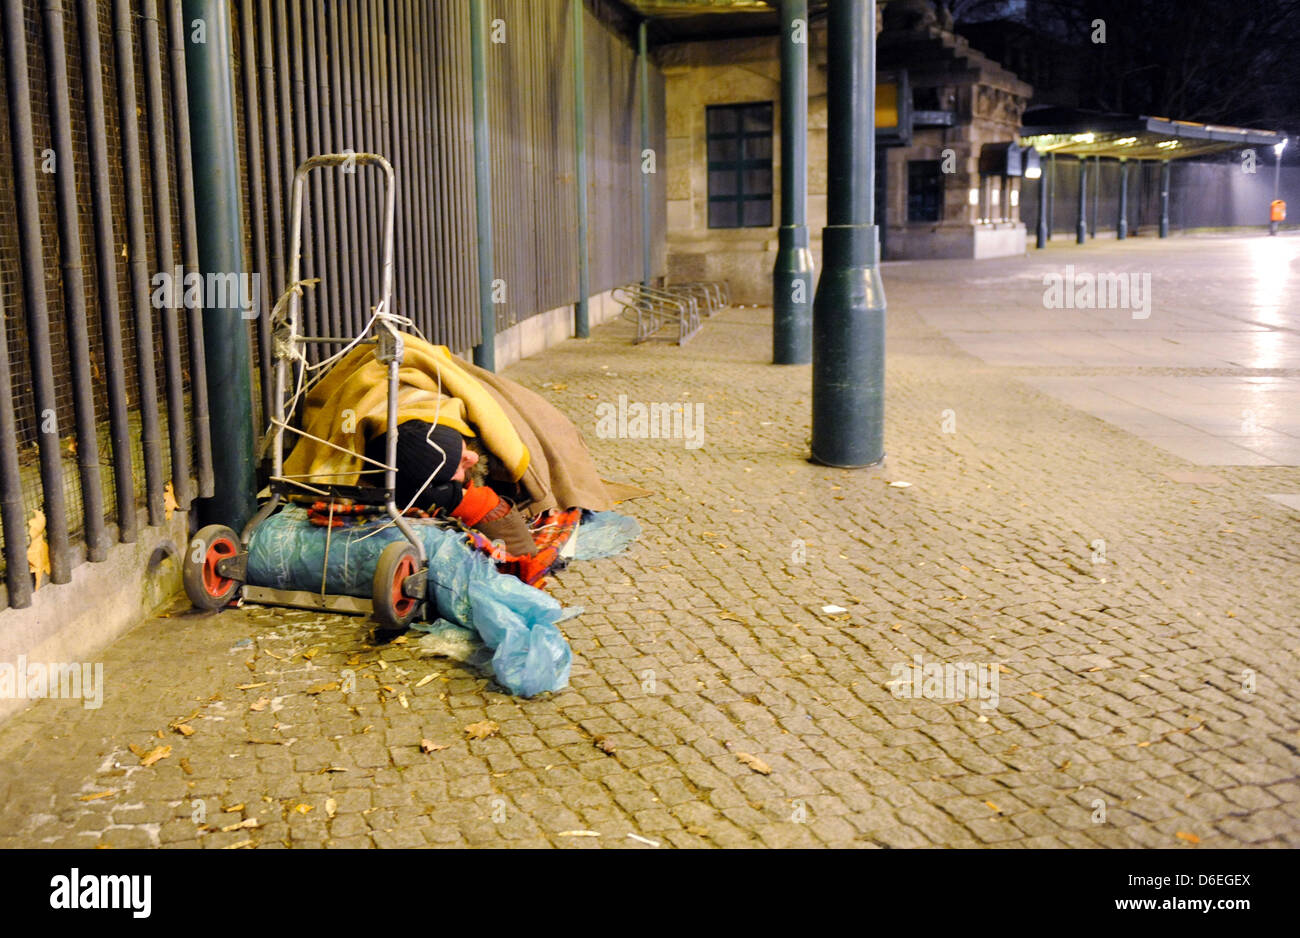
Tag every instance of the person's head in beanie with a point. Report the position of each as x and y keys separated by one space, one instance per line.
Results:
x=427 y=453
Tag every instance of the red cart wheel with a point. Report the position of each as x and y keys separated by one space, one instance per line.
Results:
x=394 y=609
x=206 y=587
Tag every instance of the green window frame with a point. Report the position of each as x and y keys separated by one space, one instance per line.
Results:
x=739 y=141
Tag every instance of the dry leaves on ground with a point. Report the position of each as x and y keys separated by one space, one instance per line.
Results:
x=755 y=763
x=428 y=745
x=155 y=755
x=482 y=730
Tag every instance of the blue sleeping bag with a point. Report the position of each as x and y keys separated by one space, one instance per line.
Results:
x=516 y=621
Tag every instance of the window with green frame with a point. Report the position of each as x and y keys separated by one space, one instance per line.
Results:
x=740 y=165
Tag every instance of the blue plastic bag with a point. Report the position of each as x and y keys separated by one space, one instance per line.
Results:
x=530 y=655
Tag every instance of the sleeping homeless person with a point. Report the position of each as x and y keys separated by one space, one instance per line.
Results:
x=471 y=445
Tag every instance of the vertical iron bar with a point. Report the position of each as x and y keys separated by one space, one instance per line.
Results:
x=137 y=261
x=360 y=141
x=257 y=195
x=18 y=580
x=401 y=155
x=106 y=263
x=485 y=351
x=311 y=299
x=35 y=302
x=74 y=281
x=189 y=247
x=581 y=316
x=346 y=218
x=163 y=255
x=275 y=273
x=324 y=260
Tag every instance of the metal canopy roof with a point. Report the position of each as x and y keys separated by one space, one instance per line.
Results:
x=683 y=20
x=1126 y=136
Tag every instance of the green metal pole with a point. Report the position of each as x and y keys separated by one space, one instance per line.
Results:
x=1164 y=199
x=1096 y=196
x=848 y=359
x=217 y=201
x=1121 y=229
x=485 y=353
x=1042 y=209
x=643 y=61
x=1081 y=231
x=581 y=318
x=792 y=277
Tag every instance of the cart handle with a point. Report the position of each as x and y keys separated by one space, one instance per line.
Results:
x=344 y=160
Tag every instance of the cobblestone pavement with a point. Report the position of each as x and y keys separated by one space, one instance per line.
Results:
x=1143 y=633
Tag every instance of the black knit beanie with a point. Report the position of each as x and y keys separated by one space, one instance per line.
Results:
x=423 y=450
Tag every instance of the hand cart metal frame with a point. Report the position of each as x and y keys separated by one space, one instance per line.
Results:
x=216 y=564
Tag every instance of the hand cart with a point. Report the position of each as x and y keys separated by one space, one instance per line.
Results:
x=216 y=564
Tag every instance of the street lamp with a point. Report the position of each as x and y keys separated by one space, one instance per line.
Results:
x=1276 y=210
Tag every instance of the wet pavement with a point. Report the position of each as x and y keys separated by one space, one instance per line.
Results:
x=1075 y=625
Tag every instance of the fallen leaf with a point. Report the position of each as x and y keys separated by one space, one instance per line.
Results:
x=136 y=750
x=400 y=640
x=251 y=686
x=697 y=830
x=101 y=794
x=155 y=755
x=234 y=808
x=755 y=763
x=186 y=767
x=578 y=834
x=643 y=840
x=302 y=808
x=331 y=807
x=401 y=699
x=603 y=744
x=993 y=807
x=1189 y=837
x=482 y=730
x=322 y=688
x=428 y=745
x=833 y=610
x=900 y=485
x=311 y=653
x=731 y=617
x=424 y=680
x=169 y=500
x=260 y=704
x=246 y=824
x=184 y=729
x=38 y=550
x=241 y=845
x=329 y=769
x=1034 y=693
